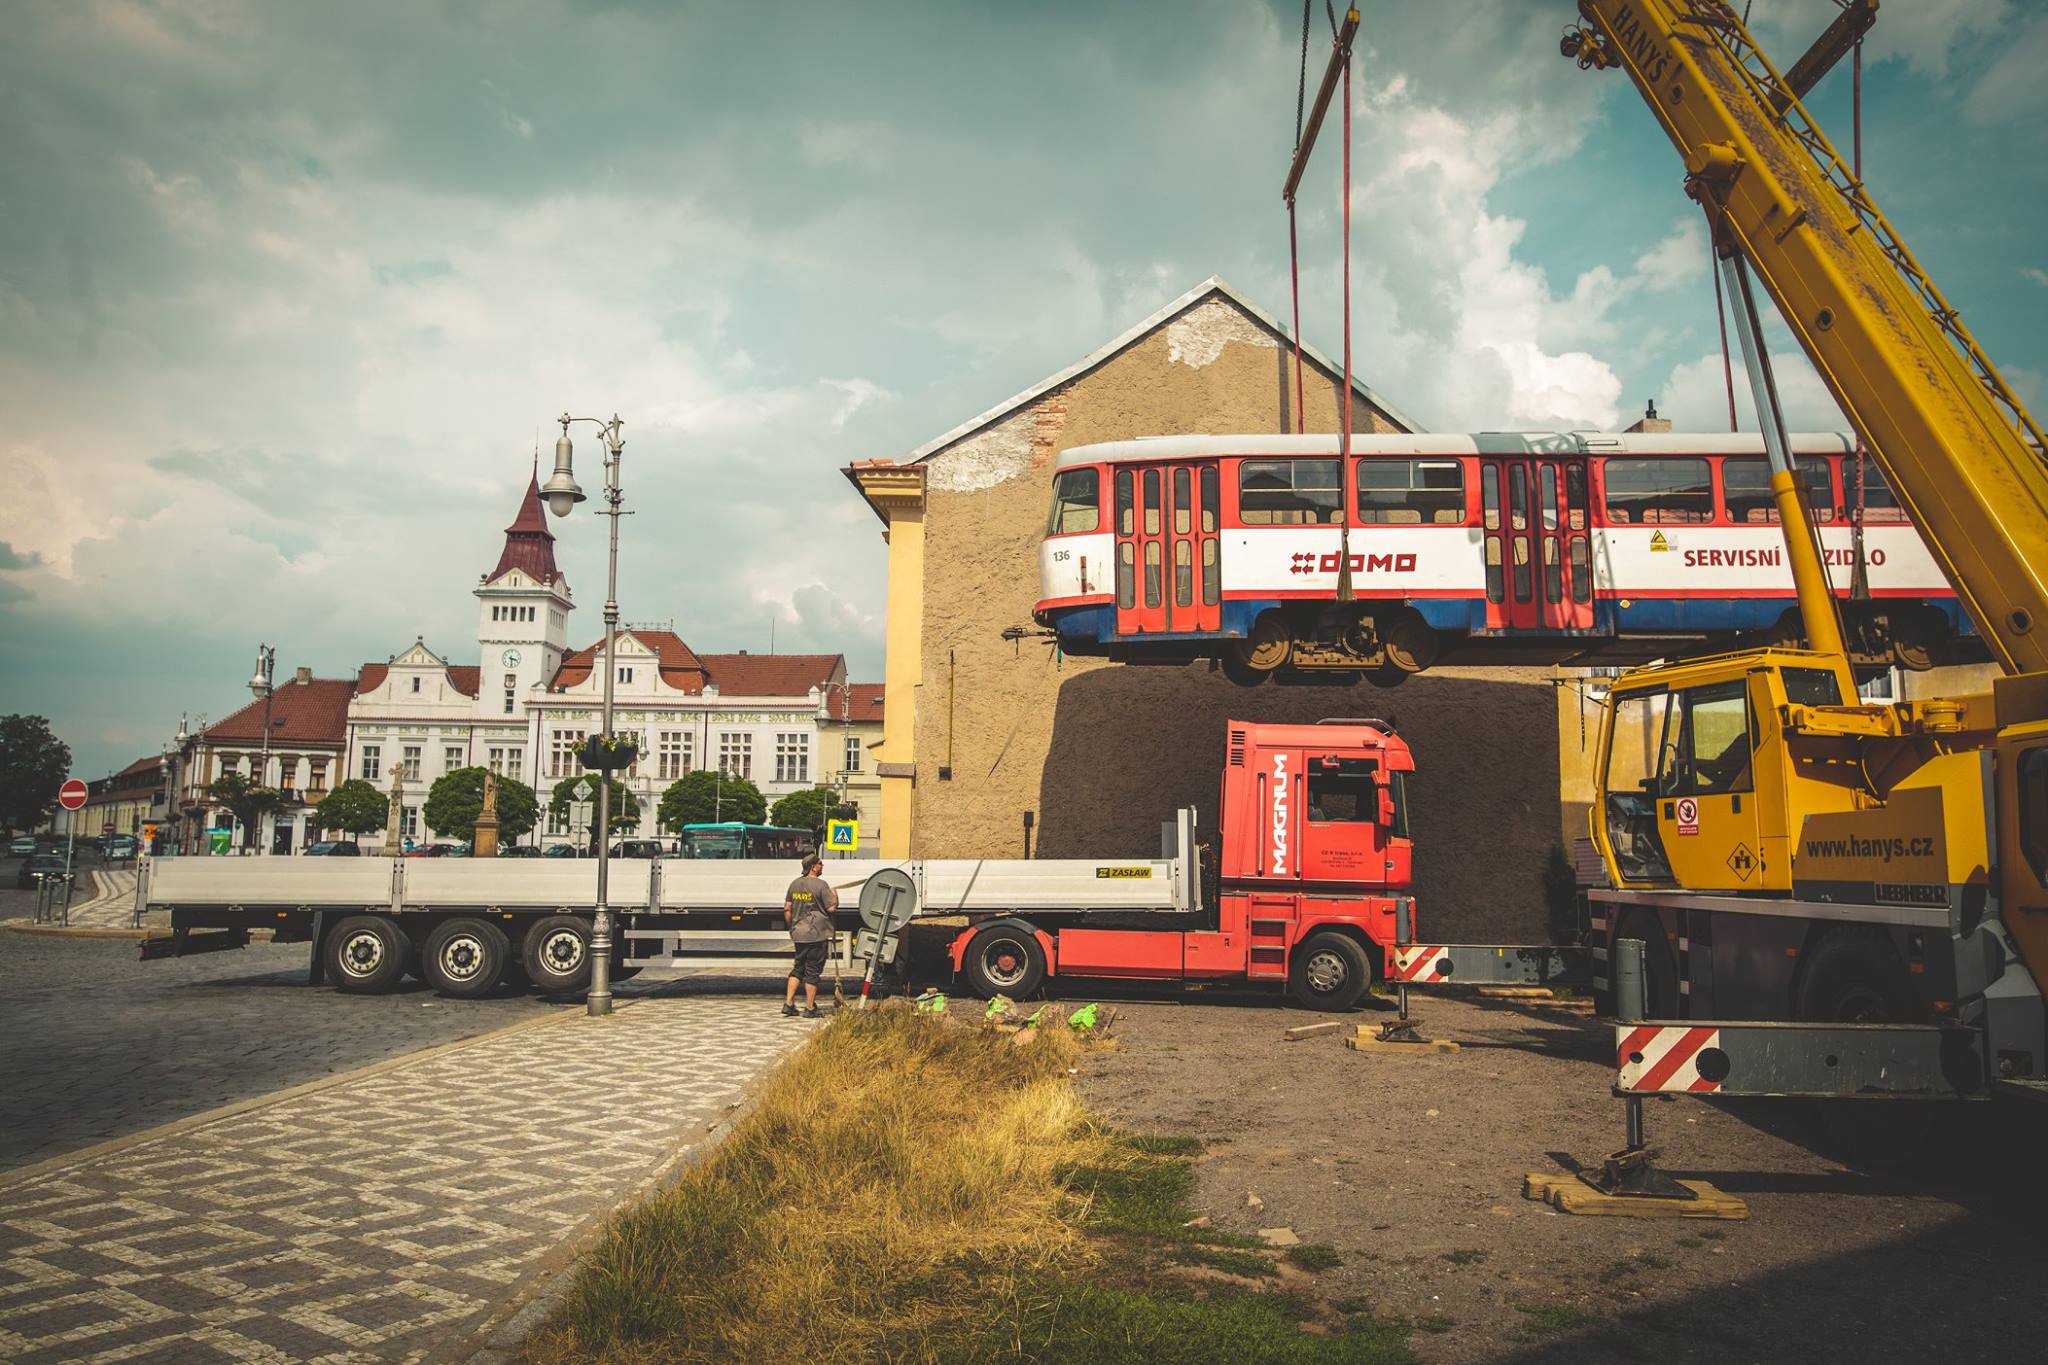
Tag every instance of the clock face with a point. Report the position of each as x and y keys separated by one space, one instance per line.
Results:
x=511 y=658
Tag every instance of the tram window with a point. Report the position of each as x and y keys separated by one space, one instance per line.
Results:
x=1411 y=492
x=1124 y=521
x=1212 y=577
x=1208 y=499
x=1521 y=553
x=1489 y=496
x=1659 y=492
x=1126 y=577
x=1288 y=492
x=1575 y=496
x=1183 y=574
x=1746 y=489
x=1553 y=571
x=1880 y=504
x=1550 y=497
x=1494 y=589
x=1518 y=497
x=1181 y=521
x=1151 y=502
x=1152 y=585
x=1076 y=502
x=1582 y=571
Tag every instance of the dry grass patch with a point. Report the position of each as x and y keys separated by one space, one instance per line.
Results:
x=911 y=1189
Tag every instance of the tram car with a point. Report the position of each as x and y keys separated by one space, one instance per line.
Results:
x=1492 y=548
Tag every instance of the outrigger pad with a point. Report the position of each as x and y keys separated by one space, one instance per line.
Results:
x=1371 y=1039
x=1570 y=1194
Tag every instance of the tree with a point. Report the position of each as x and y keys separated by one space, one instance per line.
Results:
x=33 y=764
x=707 y=795
x=625 y=807
x=246 y=799
x=807 y=809
x=355 y=807
x=456 y=800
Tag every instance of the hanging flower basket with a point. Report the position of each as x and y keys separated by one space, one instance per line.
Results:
x=608 y=755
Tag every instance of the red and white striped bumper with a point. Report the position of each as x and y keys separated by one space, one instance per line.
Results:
x=1663 y=1058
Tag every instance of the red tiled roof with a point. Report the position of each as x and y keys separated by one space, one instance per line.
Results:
x=772 y=675
x=464 y=678
x=314 y=712
x=529 y=545
x=679 y=664
x=854 y=701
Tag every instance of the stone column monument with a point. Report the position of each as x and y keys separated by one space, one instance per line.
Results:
x=486 y=843
x=394 y=846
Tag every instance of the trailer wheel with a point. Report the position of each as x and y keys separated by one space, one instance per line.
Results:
x=557 y=954
x=1328 y=971
x=366 y=955
x=1004 y=959
x=466 y=957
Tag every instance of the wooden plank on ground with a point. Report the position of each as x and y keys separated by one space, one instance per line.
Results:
x=1515 y=992
x=1364 y=1041
x=1569 y=1194
x=1300 y=1031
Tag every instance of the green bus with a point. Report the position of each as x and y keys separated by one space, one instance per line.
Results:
x=734 y=839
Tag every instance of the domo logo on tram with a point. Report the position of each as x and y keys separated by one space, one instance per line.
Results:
x=1307 y=561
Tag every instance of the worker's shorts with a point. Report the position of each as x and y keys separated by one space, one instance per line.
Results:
x=810 y=962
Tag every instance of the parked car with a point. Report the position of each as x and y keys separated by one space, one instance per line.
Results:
x=521 y=851
x=638 y=848
x=21 y=846
x=334 y=848
x=561 y=851
x=119 y=846
x=38 y=865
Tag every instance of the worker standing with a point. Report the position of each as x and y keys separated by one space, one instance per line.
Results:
x=807 y=909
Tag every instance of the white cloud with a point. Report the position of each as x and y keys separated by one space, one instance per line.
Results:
x=1695 y=396
x=2035 y=273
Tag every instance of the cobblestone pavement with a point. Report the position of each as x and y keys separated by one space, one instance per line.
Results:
x=378 y=1217
x=95 y=1043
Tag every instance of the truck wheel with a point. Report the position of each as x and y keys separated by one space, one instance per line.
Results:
x=466 y=957
x=365 y=955
x=1856 y=978
x=557 y=954
x=1004 y=959
x=1328 y=971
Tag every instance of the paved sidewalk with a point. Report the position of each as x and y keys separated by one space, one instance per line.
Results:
x=376 y=1217
x=112 y=905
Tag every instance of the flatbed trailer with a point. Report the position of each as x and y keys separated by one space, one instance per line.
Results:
x=1312 y=865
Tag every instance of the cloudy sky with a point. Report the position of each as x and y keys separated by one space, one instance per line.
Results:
x=287 y=290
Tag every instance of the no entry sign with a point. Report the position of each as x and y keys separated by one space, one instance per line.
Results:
x=71 y=795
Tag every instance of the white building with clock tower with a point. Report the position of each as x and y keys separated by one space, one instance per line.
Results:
x=530 y=698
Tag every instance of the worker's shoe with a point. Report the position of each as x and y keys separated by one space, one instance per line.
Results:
x=811 y=1013
x=789 y=1011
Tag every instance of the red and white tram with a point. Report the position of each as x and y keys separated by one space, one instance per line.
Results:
x=1499 y=547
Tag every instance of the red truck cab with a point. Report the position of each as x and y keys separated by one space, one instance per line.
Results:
x=1313 y=858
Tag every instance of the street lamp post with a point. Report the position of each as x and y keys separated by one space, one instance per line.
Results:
x=260 y=684
x=562 y=494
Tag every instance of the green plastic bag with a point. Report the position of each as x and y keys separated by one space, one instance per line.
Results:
x=1083 y=1018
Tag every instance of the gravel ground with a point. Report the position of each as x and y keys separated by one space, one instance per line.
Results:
x=1412 y=1168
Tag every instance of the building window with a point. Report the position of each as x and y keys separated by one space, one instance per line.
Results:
x=515 y=763
x=494 y=759
x=451 y=758
x=853 y=748
x=415 y=683
x=562 y=753
x=625 y=674
x=409 y=822
x=318 y=780
x=373 y=762
x=511 y=691
x=558 y=821
x=736 y=754
x=675 y=754
x=409 y=763
x=793 y=758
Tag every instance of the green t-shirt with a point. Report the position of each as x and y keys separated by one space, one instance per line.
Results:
x=811 y=903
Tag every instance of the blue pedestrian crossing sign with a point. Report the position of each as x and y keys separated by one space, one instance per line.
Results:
x=842 y=835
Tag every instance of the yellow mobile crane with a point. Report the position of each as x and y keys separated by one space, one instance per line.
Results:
x=1787 y=855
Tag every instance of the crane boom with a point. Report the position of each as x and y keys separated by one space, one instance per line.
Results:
x=1955 y=443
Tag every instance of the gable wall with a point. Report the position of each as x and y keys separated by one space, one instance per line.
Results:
x=1102 y=753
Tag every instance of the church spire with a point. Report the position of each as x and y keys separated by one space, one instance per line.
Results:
x=529 y=545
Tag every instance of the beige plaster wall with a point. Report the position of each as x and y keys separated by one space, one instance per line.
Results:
x=1101 y=753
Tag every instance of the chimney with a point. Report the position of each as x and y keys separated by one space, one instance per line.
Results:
x=1650 y=421
x=303 y=676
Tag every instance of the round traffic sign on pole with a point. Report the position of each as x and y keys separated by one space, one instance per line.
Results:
x=71 y=795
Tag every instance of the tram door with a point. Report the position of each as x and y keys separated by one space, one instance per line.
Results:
x=1169 y=571
x=1538 y=543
